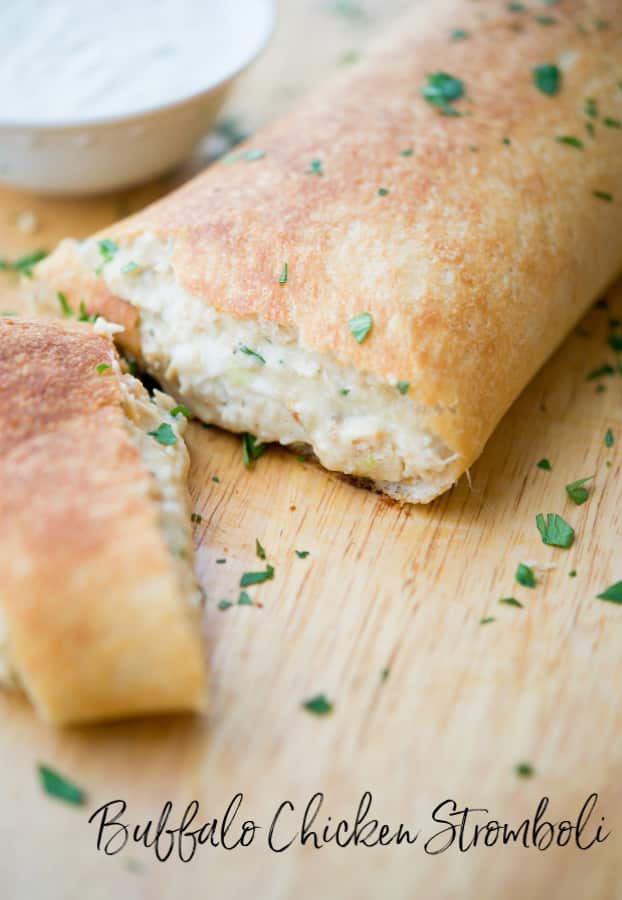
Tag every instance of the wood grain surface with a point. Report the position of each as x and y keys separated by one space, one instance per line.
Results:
x=383 y=617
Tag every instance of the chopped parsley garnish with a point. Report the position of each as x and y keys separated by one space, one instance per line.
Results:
x=101 y=367
x=609 y=439
x=23 y=264
x=344 y=392
x=107 y=250
x=216 y=479
x=525 y=576
x=224 y=604
x=130 y=267
x=545 y=20
x=555 y=531
x=403 y=386
x=511 y=601
x=612 y=123
x=547 y=78
x=221 y=561
x=590 y=107
x=577 y=493
x=441 y=90
x=516 y=7
x=383 y=192
x=261 y=553
x=384 y=673
x=570 y=141
x=407 y=151
x=315 y=167
x=283 y=275
x=487 y=620
x=544 y=464
x=56 y=785
x=318 y=705
x=251 y=449
x=601 y=24
x=524 y=770
x=360 y=326
x=64 y=305
x=244 y=599
x=572 y=573
x=83 y=316
x=603 y=195
x=247 y=350
x=249 y=578
x=196 y=517
x=183 y=409
x=164 y=434
x=302 y=554
x=458 y=34
x=613 y=594
x=589 y=127
x=600 y=372
x=507 y=141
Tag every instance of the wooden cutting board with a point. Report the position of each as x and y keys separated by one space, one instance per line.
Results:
x=383 y=617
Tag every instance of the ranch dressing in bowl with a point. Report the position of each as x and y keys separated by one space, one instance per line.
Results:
x=129 y=84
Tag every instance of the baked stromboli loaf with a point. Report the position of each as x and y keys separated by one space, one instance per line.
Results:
x=471 y=227
x=99 y=606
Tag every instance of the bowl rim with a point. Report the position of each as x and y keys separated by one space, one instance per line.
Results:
x=157 y=109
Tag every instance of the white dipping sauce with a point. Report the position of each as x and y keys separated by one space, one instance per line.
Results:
x=68 y=61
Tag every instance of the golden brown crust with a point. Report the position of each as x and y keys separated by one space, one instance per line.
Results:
x=482 y=255
x=97 y=626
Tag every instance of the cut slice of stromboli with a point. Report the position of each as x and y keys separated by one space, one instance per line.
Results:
x=99 y=606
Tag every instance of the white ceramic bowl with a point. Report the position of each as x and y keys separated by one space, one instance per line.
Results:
x=103 y=153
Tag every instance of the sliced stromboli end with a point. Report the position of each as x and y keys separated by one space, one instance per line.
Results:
x=99 y=606
x=252 y=375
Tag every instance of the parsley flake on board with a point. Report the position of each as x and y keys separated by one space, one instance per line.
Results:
x=224 y=604
x=511 y=601
x=251 y=449
x=83 y=316
x=545 y=20
x=524 y=770
x=458 y=34
x=261 y=553
x=130 y=268
x=555 y=531
x=249 y=578
x=525 y=576
x=487 y=620
x=101 y=367
x=572 y=573
x=247 y=350
x=66 y=310
x=360 y=325
x=544 y=464
x=56 y=785
x=407 y=151
x=403 y=386
x=248 y=155
x=164 y=434
x=23 y=264
x=315 y=167
x=302 y=554
x=609 y=439
x=196 y=517
x=318 y=705
x=570 y=141
x=383 y=192
x=284 y=274
x=441 y=90
x=613 y=594
x=575 y=490
x=608 y=122
x=600 y=372
x=547 y=78
x=603 y=195
x=590 y=107
x=244 y=599
x=516 y=7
